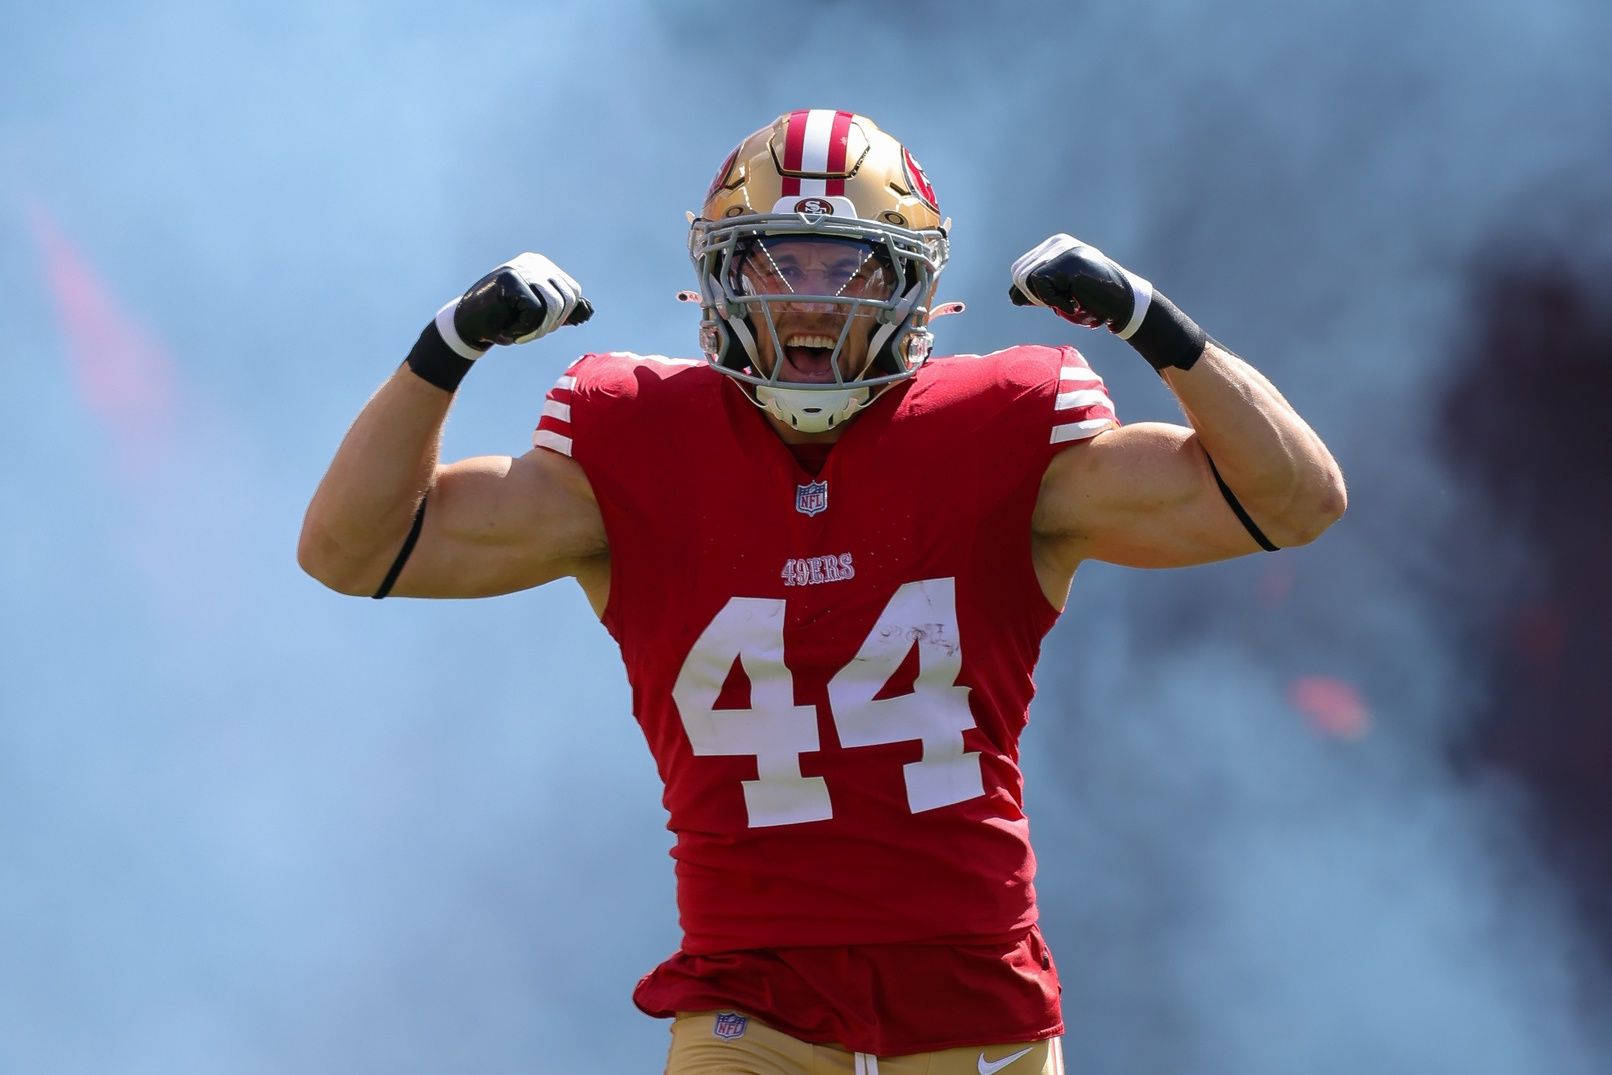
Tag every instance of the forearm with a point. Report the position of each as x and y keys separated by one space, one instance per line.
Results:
x=365 y=504
x=1268 y=456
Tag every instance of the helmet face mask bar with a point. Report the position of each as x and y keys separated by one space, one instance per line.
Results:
x=845 y=264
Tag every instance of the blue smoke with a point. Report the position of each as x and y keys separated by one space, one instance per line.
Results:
x=250 y=826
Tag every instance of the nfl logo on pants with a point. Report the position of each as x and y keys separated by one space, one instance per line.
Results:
x=729 y=1025
x=812 y=498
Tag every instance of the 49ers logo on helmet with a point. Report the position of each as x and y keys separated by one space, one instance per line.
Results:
x=722 y=172
x=814 y=207
x=920 y=182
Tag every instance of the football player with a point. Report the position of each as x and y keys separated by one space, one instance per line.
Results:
x=829 y=560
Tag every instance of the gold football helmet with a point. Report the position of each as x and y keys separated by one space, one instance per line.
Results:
x=822 y=223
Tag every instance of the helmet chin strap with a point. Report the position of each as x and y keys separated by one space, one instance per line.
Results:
x=901 y=313
x=740 y=330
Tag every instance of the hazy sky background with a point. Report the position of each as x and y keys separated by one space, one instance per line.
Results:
x=250 y=826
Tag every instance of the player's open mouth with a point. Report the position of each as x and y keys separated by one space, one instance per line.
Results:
x=810 y=356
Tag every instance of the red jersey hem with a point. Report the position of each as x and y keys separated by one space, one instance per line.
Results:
x=887 y=1000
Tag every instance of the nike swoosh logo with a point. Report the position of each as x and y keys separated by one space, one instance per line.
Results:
x=991 y=1067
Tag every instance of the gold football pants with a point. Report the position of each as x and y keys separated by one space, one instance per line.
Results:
x=730 y=1043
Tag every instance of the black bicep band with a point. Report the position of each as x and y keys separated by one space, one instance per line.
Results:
x=408 y=547
x=1242 y=516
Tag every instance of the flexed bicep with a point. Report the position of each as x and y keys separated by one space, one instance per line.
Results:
x=1142 y=496
x=493 y=525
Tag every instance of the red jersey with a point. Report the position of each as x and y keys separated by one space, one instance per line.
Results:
x=832 y=671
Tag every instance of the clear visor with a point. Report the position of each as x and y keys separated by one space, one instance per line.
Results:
x=812 y=269
x=800 y=306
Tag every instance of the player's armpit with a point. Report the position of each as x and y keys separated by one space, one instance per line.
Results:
x=494 y=525
x=1141 y=496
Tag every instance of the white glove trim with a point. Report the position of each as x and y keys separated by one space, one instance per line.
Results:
x=450 y=335
x=553 y=285
x=1141 y=299
x=1043 y=252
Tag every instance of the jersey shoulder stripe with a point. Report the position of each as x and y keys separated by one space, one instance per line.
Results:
x=1082 y=407
x=1053 y=385
x=597 y=381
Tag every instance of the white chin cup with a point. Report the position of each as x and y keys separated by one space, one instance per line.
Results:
x=811 y=410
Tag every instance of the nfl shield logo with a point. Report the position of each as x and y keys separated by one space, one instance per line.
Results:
x=729 y=1025
x=811 y=499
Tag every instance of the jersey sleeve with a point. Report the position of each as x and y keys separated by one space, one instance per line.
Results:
x=556 y=428
x=596 y=411
x=580 y=408
x=1081 y=407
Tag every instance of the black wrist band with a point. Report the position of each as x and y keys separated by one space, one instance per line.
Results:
x=1168 y=338
x=434 y=362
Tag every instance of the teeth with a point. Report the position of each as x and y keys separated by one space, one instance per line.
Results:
x=799 y=340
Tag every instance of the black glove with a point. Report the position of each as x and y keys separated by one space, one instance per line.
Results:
x=1083 y=285
x=524 y=298
x=521 y=300
x=518 y=302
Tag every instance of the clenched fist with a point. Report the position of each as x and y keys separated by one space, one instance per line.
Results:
x=1083 y=285
x=526 y=297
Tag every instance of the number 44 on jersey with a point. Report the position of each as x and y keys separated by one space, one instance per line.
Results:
x=776 y=731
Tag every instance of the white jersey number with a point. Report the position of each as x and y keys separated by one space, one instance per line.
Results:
x=776 y=731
